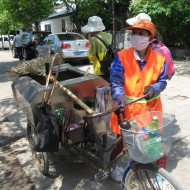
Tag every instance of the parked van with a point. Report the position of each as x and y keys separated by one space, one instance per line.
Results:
x=4 y=41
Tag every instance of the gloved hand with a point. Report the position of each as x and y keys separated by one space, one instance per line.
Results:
x=120 y=100
x=150 y=91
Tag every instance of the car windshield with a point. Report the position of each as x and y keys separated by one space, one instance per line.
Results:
x=63 y=37
x=40 y=35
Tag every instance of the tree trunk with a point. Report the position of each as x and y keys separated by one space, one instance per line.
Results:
x=37 y=27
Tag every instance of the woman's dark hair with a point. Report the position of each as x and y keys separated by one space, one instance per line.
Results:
x=158 y=37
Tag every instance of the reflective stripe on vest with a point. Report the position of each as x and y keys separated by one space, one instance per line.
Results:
x=144 y=101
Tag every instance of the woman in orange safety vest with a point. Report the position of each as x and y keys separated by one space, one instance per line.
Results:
x=136 y=71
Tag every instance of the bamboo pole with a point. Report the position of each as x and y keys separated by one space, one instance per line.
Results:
x=57 y=83
x=70 y=94
x=57 y=56
x=87 y=72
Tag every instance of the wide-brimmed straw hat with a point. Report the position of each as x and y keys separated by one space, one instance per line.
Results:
x=144 y=24
x=94 y=24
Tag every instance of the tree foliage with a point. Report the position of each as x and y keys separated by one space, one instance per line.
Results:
x=171 y=17
x=82 y=9
x=103 y=8
x=23 y=13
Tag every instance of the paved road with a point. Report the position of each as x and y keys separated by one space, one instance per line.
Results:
x=18 y=171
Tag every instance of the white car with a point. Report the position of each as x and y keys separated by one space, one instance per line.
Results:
x=71 y=46
x=4 y=42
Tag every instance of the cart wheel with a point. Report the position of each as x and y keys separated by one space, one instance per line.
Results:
x=40 y=158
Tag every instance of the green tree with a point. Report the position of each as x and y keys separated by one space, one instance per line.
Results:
x=23 y=13
x=26 y=12
x=83 y=9
x=171 y=17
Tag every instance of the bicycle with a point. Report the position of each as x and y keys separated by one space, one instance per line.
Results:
x=140 y=173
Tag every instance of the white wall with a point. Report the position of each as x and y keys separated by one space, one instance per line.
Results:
x=56 y=24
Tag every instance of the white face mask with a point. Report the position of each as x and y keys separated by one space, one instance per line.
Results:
x=139 y=42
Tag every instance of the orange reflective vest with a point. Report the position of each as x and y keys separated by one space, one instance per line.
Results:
x=135 y=81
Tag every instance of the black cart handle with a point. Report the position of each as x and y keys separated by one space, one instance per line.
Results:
x=100 y=114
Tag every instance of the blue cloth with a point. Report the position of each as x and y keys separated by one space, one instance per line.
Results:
x=141 y=64
x=117 y=78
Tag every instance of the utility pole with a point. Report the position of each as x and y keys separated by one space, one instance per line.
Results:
x=113 y=25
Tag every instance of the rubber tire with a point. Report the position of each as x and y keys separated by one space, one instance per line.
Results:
x=151 y=168
x=40 y=158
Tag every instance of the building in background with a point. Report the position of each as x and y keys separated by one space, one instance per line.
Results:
x=59 y=21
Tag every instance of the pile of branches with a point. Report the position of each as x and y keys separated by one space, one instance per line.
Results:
x=32 y=67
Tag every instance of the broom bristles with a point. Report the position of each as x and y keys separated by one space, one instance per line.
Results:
x=31 y=67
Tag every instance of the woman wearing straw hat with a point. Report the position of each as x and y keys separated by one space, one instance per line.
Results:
x=97 y=50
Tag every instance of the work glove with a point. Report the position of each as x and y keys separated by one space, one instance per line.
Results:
x=150 y=91
x=120 y=100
